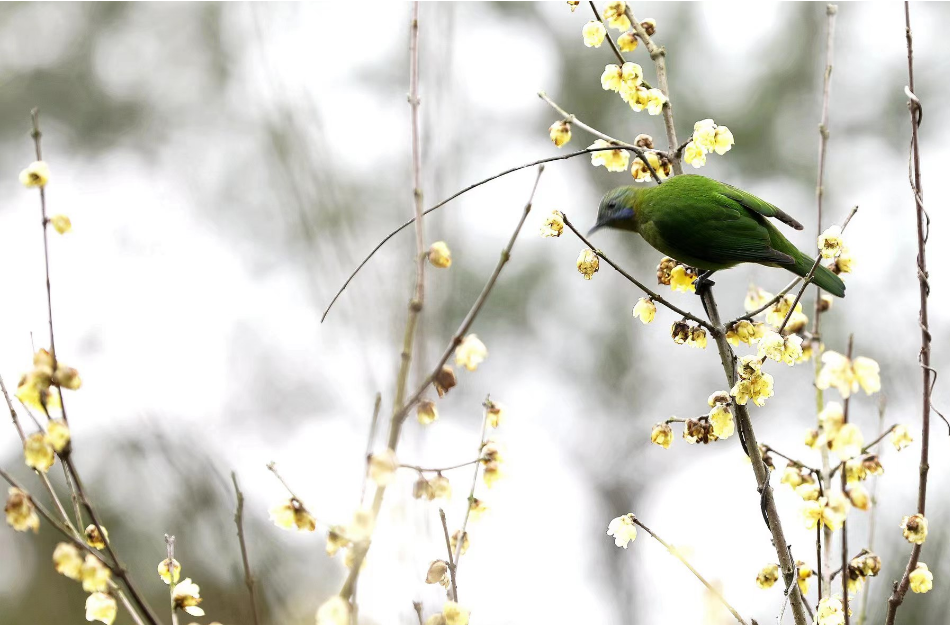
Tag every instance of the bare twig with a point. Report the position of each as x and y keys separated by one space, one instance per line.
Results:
x=679 y=556
x=872 y=521
x=239 y=524
x=798 y=463
x=653 y=295
x=369 y=444
x=844 y=524
x=658 y=54
x=923 y=232
x=439 y=469
x=471 y=492
x=170 y=550
x=448 y=549
x=395 y=426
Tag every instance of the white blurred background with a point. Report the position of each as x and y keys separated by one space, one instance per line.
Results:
x=225 y=166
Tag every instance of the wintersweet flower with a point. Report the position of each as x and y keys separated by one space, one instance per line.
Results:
x=859 y=497
x=38 y=453
x=921 y=579
x=67 y=560
x=612 y=160
x=439 y=255
x=900 y=437
x=291 y=515
x=553 y=226
x=628 y=41
x=655 y=101
x=848 y=442
x=694 y=155
x=830 y=511
x=20 y=511
x=682 y=280
x=35 y=175
x=623 y=529
x=101 y=606
x=382 y=467
x=61 y=223
x=830 y=611
x=756 y=298
x=334 y=611
x=830 y=243
x=721 y=418
x=588 y=264
x=697 y=337
x=57 y=434
x=426 y=412
x=470 y=353
x=186 y=596
x=767 y=576
x=915 y=528
x=560 y=132
x=704 y=135
x=438 y=573
x=169 y=571
x=645 y=310
x=723 y=140
x=94 y=574
x=95 y=538
x=594 y=33
x=615 y=14
x=454 y=614
x=804 y=573
x=612 y=78
x=679 y=332
x=454 y=541
x=662 y=435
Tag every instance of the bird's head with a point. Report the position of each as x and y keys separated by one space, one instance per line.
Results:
x=617 y=210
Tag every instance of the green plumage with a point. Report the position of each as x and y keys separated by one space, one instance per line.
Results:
x=709 y=225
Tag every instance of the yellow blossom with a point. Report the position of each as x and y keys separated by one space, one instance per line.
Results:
x=61 y=223
x=615 y=14
x=845 y=261
x=67 y=560
x=94 y=574
x=743 y=331
x=796 y=322
x=628 y=41
x=868 y=374
x=915 y=528
x=588 y=264
x=336 y=540
x=723 y=140
x=573 y=4
x=454 y=541
x=808 y=491
x=426 y=412
x=441 y=487
x=641 y=172
x=830 y=611
x=36 y=175
x=831 y=418
x=776 y=314
x=38 y=452
x=756 y=298
x=454 y=614
x=382 y=466
x=334 y=611
x=772 y=346
x=637 y=97
x=900 y=437
x=612 y=160
x=494 y=413
x=553 y=226
x=477 y=508
x=645 y=310
x=438 y=573
x=848 y=441
x=758 y=388
x=470 y=353
x=830 y=511
x=722 y=422
x=694 y=155
x=655 y=101
x=859 y=497
x=792 y=476
x=623 y=529
x=704 y=135
x=664 y=269
x=682 y=280
x=169 y=571
x=854 y=470
x=20 y=511
x=57 y=434
x=697 y=337
x=829 y=243
x=662 y=435
x=612 y=78
x=560 y=132
x=872 y=464
x=186 y=596
x=767 y=576
x=94 y=538
x=594 y=33
x=814 y=439
x=804 y=573
x=101 y=606
x=921 y=579
x=439 y=255
x=291 y=514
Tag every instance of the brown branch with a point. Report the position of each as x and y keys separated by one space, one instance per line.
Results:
x=395 y=426
x=658 y=54
x=640 y=152
x=653 y=295
x=923 y=231
x=239 y=524
x=770 y=449
x=607 y=30
x=679 y=556
x=448 y=548
x=747 y=436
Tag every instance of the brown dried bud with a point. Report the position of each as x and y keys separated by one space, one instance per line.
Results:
x=680 y=332
x=872 y=464
x=444 y=380
x=870 y=563
x=644 y=141
x=422 y=489
x=438 y=572
x=824 y=304
x=455 y=541
x=649 y=25
x=699 y=431
x=664 y=269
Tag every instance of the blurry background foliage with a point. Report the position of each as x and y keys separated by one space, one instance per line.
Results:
x=226 y=165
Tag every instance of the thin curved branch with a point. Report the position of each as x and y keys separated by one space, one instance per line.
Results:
x=653 y=294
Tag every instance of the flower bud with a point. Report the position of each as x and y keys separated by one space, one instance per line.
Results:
x=649 y=25
x=680 y=332
x=662 y=435
x=444 y=380
x=439 y=255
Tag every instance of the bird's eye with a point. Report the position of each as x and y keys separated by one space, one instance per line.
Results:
x=612 y=205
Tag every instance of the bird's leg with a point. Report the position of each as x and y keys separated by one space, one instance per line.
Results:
x=703 y=282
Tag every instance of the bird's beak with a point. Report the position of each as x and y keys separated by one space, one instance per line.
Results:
x=596 y=227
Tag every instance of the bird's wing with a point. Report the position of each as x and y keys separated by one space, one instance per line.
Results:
x=759 y=206
x=719 y=229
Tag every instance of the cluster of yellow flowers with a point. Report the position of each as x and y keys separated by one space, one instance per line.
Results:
x=20 y=511
x=753 y=383
x=848 y=375
x=832 y=247
x=716 y=425
x=588 y=263
x=553 y=225
x=627 y=80
x=830 y=611
x=830 y=511
x=682 y=332
x=35 y=387
x=451 y=614
x=36 y=175
x=615 y=14
x=707 y=137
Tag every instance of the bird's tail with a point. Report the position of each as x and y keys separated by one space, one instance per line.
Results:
x=823 y=277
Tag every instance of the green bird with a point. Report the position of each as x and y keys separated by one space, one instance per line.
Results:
x=709 y=225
